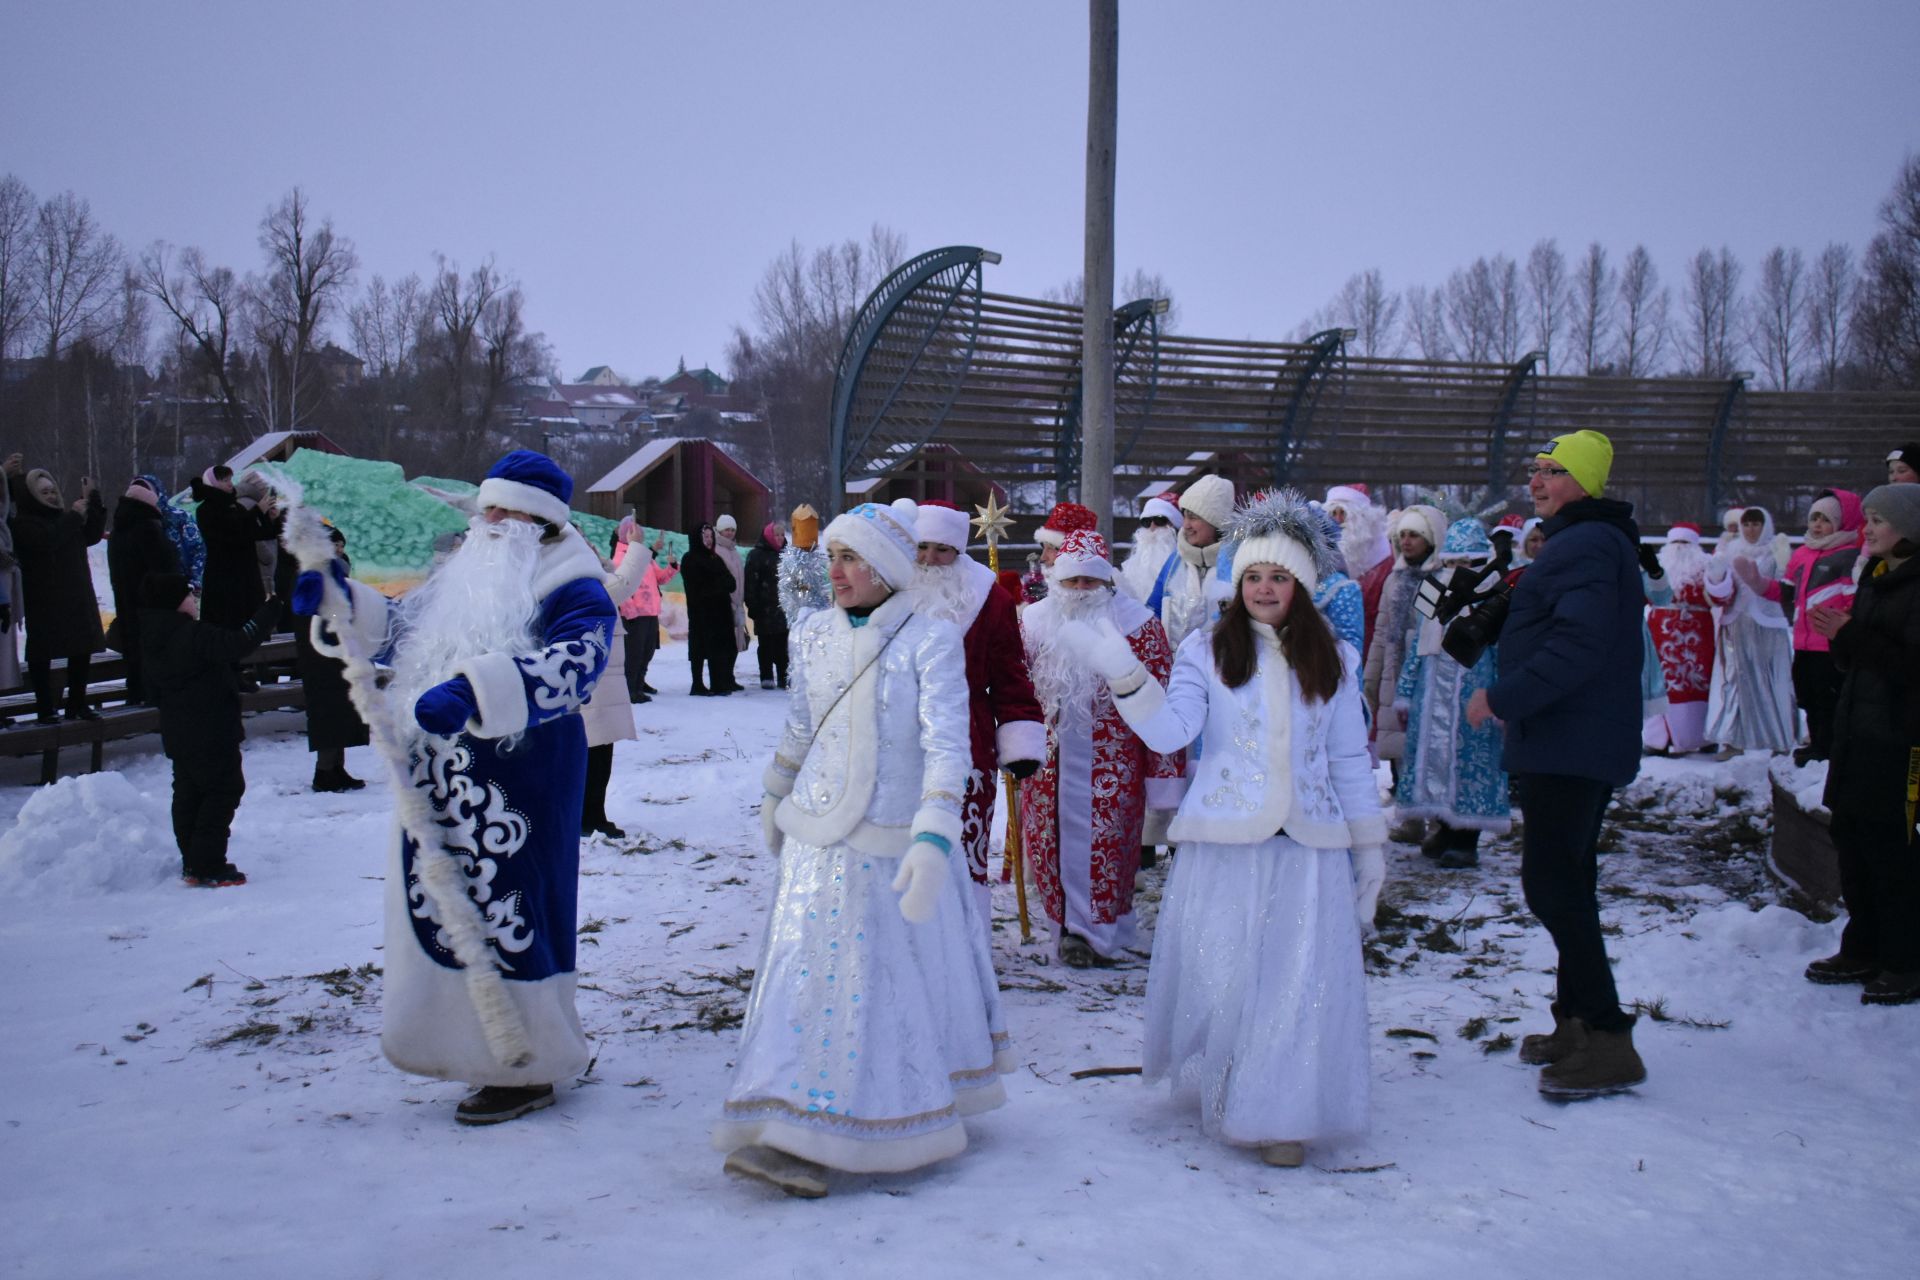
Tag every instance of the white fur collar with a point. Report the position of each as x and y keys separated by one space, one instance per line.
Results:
x=563 y=561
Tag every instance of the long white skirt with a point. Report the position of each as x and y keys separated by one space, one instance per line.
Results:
x=1751 y=702
x=1256 y=996
x=867 y=1038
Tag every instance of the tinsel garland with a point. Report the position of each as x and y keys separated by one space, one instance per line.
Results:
x=803 y=584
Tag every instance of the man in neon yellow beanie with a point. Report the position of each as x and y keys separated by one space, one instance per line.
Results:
x=1568 y=693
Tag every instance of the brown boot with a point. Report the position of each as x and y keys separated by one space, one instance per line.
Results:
x=1602 y=1062
x=1539 y=1050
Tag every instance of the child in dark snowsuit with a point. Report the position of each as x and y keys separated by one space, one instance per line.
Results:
x=191 y=677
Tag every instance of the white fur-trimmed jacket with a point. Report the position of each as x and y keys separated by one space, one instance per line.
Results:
x=889 y=760
x=1272 y=762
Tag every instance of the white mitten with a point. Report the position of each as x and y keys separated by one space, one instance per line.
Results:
x=1369 y=874
x=768 y=826
x=1103 y=648
x=918 y=883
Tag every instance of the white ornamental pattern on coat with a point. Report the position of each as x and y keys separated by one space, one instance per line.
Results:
x=558 y=671
x=476 y=828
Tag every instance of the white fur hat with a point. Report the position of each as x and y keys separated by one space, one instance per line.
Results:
x=1345 y=495
x=942 y=523
x=1163 y=507
x=882 y=536
x=1426 y=521
x=1210 y=498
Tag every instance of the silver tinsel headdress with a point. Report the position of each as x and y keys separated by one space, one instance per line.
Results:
x=1263 y=526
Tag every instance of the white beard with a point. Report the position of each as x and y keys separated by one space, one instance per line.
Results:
x=946 y=592
x=479 y=601
x=1363 y=539
x=1061 y=678
x=1152 y=547
x=1684 y=562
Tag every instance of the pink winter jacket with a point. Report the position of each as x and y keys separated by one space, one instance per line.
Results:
x=1820 y=576
x=645 y=600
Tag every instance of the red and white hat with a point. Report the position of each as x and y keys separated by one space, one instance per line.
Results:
x=1510 y=525
x=1083 y=554
x=1685 y=531
x=942 y=523
x=1066 y=518
x=1166 y=507
x=1349 y=495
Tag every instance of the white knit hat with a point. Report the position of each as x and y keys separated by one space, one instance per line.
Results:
x=1279 y=527
x=1210 y=498
x=1426 y=521
x=882 y=536
x=726 y=524
x=942 y=523
x=1084 y=555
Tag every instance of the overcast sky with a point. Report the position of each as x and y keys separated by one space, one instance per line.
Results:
x=637 y=163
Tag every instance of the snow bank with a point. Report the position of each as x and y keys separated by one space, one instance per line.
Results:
x=1806 y=783
x=86 y=835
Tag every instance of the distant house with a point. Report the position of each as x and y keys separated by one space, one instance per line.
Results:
x=932 y=472
x=702 y=388
x=341 y=368
x=601 y=375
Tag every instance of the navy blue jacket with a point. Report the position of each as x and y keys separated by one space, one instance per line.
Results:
x=1570 y=653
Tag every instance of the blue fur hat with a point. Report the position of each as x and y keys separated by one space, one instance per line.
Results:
x=530 y=482
x=1467 y=537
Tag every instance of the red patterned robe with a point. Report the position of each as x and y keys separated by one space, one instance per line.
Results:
x=1682 y=634
x=1004 y=718
x=1082 y=814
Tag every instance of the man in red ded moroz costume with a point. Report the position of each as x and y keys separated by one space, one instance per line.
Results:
x=1065 y=518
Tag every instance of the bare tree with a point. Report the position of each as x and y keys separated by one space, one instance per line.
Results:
x=1777 y=317
x=1366 y=306
x=308 y=268
x=17 y=210
x=1886 y=314
x=1712 y=299
x=1509 y=305
x=385 y=324
x=204 y=303
x=1830 y=295
x=1642 y=306
x=476 y=336
x=1427 y=321
x=1549 y=296
x=1594 y=283
x=76 y=268
x=1139 y=284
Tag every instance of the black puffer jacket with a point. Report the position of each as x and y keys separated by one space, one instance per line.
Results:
x=137 y=547
x=1876 y=723
x=230 y=585
x=63 y=617
x=763 y=589
x=191 y=678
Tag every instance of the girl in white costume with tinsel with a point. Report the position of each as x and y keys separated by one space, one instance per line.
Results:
x=1256 y=997
x=874 y=1022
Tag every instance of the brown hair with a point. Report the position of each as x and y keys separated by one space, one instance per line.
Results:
x=1306 y=643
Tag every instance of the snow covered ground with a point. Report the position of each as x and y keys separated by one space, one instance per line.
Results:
x=193 y=1084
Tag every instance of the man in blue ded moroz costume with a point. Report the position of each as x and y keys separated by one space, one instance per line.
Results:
x=491 y=661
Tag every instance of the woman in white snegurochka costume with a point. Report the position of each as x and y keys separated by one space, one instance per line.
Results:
x=1256 y=997
x=874 y=1022
x=1750 y=704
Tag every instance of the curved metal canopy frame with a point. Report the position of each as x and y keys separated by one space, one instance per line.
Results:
x=1524 y=374
x=1732 y=404
x=1298 y=387
x=905 y=359
x=1136 y=381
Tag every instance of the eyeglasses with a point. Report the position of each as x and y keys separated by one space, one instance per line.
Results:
x=1542 y=469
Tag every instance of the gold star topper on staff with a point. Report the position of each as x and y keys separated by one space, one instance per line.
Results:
x=992 y=522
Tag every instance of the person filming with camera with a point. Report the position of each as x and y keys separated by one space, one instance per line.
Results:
x=1568 y=694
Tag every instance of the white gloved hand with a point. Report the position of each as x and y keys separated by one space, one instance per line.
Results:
x=922 y=869
x=1369 y=875
x=769 y=828
x=1102 y=647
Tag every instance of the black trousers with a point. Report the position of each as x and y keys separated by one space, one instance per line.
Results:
x=593 y=803
x=1880 y=883
x=1816 y=687
x=40 y=676
x=642 y=639
x=771 y=646
x=206 y=792
x=1560 y=873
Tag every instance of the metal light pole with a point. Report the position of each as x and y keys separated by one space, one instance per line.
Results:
x=1096 y=341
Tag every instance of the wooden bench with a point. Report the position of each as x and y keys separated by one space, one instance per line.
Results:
x=272 y=665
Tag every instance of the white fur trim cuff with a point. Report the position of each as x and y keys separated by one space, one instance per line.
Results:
x=500 y=691
x=1140 y=705
x=511 y=495
x=934 y=821
x=1018 y=740
x=1370 y=830
x=777 y=781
